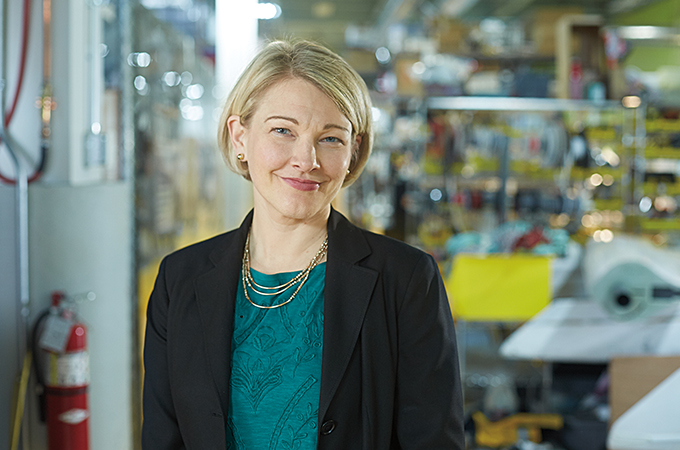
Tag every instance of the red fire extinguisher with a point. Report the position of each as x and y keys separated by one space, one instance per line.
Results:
x=65 y=371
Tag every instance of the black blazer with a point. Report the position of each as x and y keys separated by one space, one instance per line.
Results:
x=389 y=377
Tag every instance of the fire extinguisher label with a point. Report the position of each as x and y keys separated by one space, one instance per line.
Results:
x=73 y=369
x=74 y=416
x=56 y=333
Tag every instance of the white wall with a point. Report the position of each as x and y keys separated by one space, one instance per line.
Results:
x=9 y=294
x=80 y=240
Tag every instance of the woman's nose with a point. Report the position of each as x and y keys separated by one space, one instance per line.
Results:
x=304 y=156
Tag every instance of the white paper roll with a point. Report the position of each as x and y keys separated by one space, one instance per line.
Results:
x=630 y=277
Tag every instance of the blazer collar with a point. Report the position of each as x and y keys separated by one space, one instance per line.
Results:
x=348 y=290
x=216 y=296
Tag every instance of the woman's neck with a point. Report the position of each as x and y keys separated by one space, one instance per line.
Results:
x=288 y=246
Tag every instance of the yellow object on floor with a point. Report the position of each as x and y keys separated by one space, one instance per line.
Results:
x=506 y=431
x=499 y=287
x=20 y=402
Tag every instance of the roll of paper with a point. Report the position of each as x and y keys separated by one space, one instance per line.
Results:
x=630 y=277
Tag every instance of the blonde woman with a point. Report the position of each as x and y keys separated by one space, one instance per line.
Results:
x=299 y=330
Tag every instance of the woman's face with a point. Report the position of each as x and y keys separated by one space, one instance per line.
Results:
x=298 y=146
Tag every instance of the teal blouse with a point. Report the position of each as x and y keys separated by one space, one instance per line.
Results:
x=276 y=366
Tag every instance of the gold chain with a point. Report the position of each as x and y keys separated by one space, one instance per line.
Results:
x=301 y=278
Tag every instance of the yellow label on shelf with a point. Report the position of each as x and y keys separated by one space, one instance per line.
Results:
x=512 y=132
x=457 y=167
x=483 y=164
x=531 y=169
x=584 y=172
x=653 y=189
x=662 y=152
x=608 y=204
x=523 y=166
x=432 y=166
x=648 y=224
x=498 y=287
x=602 y=134
x=662 y=125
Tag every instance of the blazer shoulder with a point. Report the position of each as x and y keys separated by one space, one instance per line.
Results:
x=376 y=250
x=195 y=258
x=392 y=247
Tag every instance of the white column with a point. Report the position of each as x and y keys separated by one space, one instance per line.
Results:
x=236 y=44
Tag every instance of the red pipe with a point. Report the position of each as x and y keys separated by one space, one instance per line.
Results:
x=22 y=69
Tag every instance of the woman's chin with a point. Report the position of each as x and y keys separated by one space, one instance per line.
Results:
x=299 y=211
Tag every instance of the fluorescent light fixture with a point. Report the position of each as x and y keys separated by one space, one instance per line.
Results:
x=648 y=33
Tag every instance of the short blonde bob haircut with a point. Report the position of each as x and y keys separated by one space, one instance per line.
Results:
x=282 y=60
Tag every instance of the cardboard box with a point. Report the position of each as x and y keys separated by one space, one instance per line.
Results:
x=407 y=84
x=450 y=35
x=544 y=21
x=632 y=378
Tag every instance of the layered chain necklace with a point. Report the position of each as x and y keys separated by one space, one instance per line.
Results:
x=300 y=279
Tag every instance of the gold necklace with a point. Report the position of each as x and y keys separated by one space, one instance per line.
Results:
x=301 y=278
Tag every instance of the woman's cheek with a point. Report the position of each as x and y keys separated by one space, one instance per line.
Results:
x=274 y=153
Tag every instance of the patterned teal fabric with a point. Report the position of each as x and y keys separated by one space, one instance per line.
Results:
x=276 y=367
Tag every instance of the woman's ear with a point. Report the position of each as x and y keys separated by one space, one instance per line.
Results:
x=237 y=132
x=356 y=145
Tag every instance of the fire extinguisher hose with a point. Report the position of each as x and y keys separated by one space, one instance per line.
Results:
x=20 y=402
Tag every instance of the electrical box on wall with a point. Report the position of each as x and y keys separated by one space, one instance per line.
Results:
x=84 y=124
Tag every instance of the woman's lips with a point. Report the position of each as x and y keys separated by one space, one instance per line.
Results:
x=302 y=185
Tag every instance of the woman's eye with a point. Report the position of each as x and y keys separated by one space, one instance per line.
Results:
x=281 y=130
x=332 y=139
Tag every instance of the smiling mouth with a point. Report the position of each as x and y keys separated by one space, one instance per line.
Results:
x=302 y=185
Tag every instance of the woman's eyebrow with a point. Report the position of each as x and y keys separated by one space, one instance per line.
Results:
x=332 y=125
x=290 y=119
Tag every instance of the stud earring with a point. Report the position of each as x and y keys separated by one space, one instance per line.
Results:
x=347 y=171
x=240 y=156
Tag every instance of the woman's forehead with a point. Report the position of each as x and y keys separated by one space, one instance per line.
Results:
x=300 y=100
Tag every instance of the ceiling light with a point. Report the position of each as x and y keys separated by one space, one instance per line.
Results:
x=646 y=32
x=268 y=11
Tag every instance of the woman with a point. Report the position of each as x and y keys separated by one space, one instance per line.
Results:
x=299 y=330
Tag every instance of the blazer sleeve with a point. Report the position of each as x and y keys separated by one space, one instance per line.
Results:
x=429 y=398
x=160 y=430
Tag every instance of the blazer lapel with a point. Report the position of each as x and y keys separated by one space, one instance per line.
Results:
x=347 y=293
x=216 y=296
